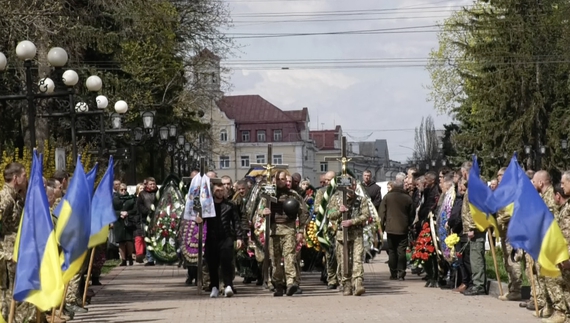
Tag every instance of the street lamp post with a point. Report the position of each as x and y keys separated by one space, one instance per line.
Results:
x=535 y=156
x=47 y=88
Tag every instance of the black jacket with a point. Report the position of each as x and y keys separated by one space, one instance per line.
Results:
x=144 y=201
x=397 y=211
x=455 y=222
x=431 y=197
x=231 y=223
x=375 y=193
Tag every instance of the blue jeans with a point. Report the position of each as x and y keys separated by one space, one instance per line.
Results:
x=149 y=257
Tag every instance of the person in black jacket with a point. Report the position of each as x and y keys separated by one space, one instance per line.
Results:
x=223 y=230
x=127 y=219
x=145 y=200
x=455 y=225
x=397 y=214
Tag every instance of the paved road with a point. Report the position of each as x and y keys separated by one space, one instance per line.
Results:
x=158 y=294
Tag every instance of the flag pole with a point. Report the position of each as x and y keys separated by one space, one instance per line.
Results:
x=63 y=300
x=533 y=286
x=88 y=275
x=53 y=313
x=12 y=310
x=38 y=315
x=492 y=246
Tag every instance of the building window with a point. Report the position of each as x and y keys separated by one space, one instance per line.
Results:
x=277 y=159
x=223 y=135
x=244 y=161
x=224 y=162
x=277 y=135
x=245 y=136
x=260 y=135
x=260 y=159
x=214 y=78
x=324 y=167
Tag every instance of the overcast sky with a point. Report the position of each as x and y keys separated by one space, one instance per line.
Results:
x=373 y=85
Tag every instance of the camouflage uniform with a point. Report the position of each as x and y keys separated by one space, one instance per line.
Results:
x=330 y=257
x=11 y=207
x=558 y=289
x=359 y=215
x=247 y=265
x=513 y=268
x=542 y=283
x=283 y=240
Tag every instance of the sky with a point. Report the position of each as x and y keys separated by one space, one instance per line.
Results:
x=355 y=63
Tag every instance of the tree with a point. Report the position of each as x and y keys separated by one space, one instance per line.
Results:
x=507 y=77
x=426 y=143
x=140 y=48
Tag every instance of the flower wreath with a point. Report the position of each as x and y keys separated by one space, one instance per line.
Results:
x=424 y=247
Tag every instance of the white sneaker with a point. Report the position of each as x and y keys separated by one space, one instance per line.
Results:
x=228 y=291
x=214 y=293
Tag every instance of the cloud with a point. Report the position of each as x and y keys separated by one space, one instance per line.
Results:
x=292 y=89
x=388 y=102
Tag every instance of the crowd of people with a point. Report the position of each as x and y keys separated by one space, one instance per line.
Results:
x=441 y=209
x=426 y=217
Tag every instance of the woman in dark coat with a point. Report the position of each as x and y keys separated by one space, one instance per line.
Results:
x=127 y=218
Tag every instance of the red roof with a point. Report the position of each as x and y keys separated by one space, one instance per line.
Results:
x=255 y=109
x=325 y=139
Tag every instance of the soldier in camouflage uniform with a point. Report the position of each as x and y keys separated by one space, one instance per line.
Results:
x=558 y=289
x=358 y=213
x=330 y=257
x=513 y=268
x=247 y=264
x=542 y=182
x=285 y=235
x=11 y=207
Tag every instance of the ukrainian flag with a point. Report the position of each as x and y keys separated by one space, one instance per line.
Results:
x=91 y=176
x=102 y=212
x=38 y=278
x=532 y=226
x=74 y=223
x=479 y=195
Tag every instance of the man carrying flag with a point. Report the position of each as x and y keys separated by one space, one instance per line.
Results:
x=559 y=288
x=504 y=213
x=11 y=206
x=38 y=270
x=532 y=226
x=73 y=231
x=478 y=219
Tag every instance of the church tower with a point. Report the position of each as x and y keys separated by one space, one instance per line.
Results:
x=207 y=73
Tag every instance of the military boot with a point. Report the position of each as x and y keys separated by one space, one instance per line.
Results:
x=347 y=290
x=358 y=288
x=292 y=289
x=557 y=317
x=278 y=291
x=544 y=312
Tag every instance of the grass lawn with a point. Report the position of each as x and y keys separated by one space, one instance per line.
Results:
x=109 y=264
x=502 y=272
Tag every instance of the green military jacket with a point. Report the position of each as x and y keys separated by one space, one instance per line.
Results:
x=358 y=213
x=289 y=227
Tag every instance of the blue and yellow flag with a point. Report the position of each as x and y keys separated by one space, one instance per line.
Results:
x=479 y=195
x=74 y=223
x=532 y=227
x=91 y=176
x=38 y=278
x=102 y=212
